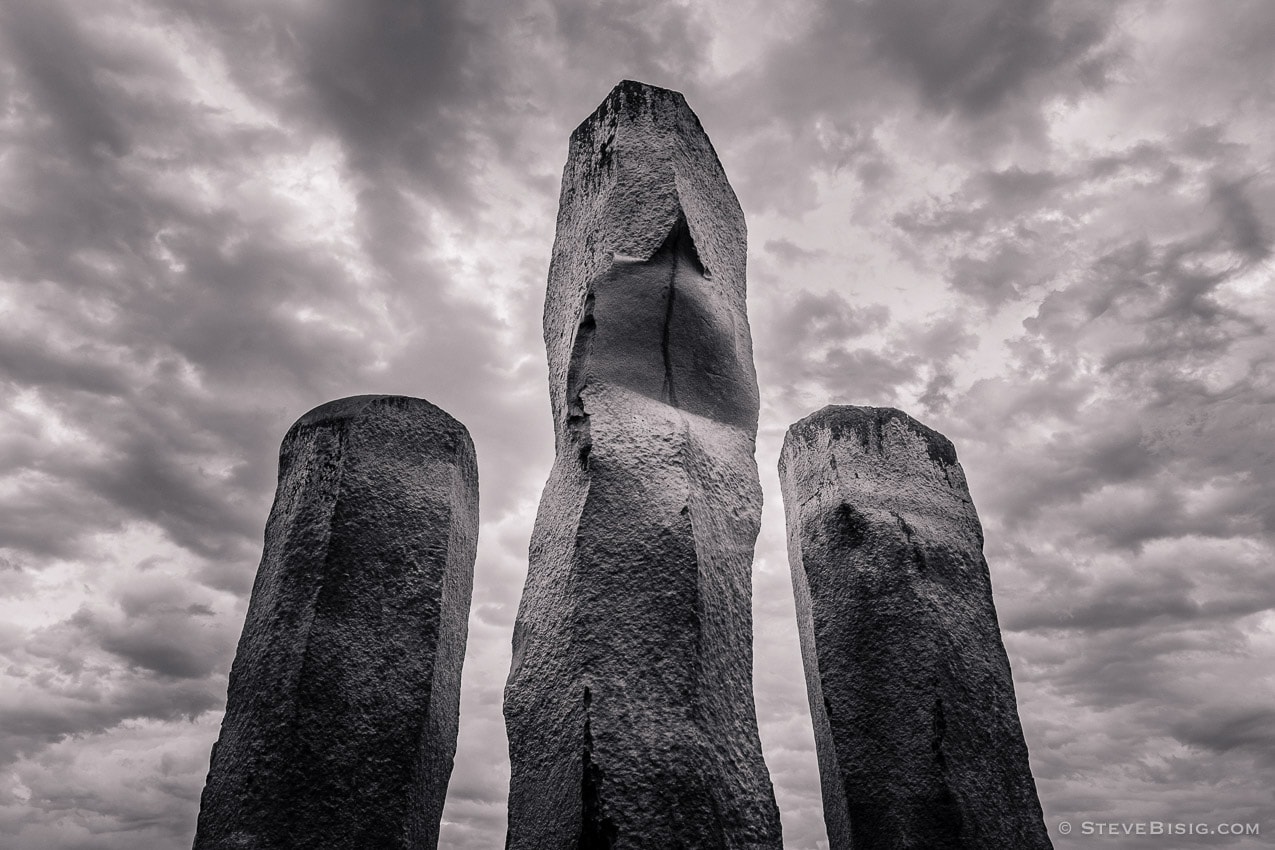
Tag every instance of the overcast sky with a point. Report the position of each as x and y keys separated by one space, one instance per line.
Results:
x=1043 y=228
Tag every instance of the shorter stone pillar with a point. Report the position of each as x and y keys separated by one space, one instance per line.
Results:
x=341 y=716
x=916 y=726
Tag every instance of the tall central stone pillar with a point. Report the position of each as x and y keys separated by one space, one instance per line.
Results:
x=629 y=705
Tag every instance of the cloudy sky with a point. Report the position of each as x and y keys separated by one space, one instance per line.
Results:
x=1043 y=228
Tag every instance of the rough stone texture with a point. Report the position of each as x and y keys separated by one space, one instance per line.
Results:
x=341 y=716
x=916 y=726
x=629 y=704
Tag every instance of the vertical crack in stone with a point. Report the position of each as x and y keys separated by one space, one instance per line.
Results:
x=670 y=390
x=947 y=809
x=577 y=375
x=940 y=732
x=679 y=248
x=596 y=831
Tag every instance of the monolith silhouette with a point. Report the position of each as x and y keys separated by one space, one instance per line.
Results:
x=341 y=716
x=916 y=726
x=629 y=704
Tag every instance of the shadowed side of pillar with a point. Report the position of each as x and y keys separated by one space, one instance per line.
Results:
x=629 y=703
x=916 y=725
x=342 y=710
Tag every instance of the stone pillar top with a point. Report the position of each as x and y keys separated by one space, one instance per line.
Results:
x=638 y=168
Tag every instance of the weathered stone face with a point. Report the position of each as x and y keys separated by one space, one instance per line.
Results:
x=629 y=704
x=341 y=716
x=916 y=725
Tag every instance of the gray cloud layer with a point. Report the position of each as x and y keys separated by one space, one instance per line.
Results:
x=1044 y=228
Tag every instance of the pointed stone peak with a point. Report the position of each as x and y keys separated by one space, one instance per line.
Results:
x=631 y=98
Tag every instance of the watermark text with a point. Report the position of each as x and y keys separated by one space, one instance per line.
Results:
x=1154 y=827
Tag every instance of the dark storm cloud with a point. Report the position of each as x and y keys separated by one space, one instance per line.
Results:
x=1158 y=289
x=1241 y=221
x=117 y=247
x=109 y=317
x=421 y=92
x=156 y=627
x=993 y=280
x=660 y=45
x=1242 y=729
x=988 y=200
x=1123 y=474
x=818 y=345
x=1079 y=461
x=384 y=75
x=1154 y=696
x=47 y=45
x=215 y=216
x=790 y=252
x=388 y=78
x=998 y=236
x=971 y=57
x=1015 y=188
x=29 y=360
x=1212 y=589
x=814 y=102
x=110 y=791
x=153 y=649
x=819 y=319
x=54 y=714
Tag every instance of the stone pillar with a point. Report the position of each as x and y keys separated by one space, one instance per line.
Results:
x=341 y=715
x=916 y=726
x=629 y=704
